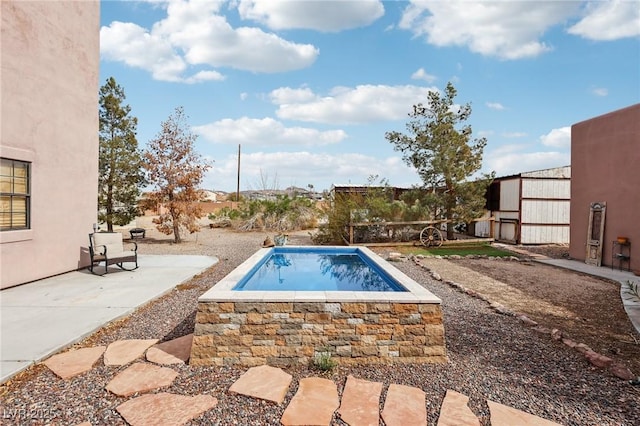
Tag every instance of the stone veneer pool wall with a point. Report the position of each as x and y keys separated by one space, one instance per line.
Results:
x=283 y=328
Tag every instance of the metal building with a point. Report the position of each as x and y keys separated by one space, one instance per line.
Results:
x=529 y=208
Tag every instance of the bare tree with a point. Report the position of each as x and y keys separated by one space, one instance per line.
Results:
x=266 y=182
x=176 y=171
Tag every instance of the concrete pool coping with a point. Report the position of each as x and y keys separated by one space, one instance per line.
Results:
x=222 y=291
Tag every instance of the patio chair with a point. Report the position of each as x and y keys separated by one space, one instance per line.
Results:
x=108 y=247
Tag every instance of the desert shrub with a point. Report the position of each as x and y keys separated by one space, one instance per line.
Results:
x=225 y=213
x=373 y=205
x=323 y=361
x=280 y=214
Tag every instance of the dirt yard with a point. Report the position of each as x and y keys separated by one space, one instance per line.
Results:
x=585 y=309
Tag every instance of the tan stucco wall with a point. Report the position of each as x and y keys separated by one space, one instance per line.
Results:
x=49 y=116
x=605 y=165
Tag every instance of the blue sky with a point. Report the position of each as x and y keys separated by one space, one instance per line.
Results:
x=309 y=88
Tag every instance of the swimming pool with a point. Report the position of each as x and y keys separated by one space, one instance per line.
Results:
x=317 y=269
x=236 y=325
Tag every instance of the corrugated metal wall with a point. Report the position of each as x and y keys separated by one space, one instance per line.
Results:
x=544 y=234
x=510 y=195
x=546 y=188
x=545 y=214
x=534 y=208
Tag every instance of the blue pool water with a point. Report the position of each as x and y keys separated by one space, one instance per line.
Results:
x=317 y=269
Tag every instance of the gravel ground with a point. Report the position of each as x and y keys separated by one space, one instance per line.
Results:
x=491 y=356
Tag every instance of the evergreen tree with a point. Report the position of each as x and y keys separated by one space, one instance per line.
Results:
x=120 y=173
x=175 y=170
x=439 y=146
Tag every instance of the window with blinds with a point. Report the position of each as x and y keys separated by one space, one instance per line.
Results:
x=15 y=197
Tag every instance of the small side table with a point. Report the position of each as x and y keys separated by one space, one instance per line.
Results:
x=137 y=233
x=621 y=252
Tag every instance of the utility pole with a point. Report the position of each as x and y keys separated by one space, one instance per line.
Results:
x=238 y=187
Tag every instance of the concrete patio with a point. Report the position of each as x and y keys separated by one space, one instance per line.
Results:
x=41 y=318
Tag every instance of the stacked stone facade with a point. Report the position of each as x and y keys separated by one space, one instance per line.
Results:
x=292 y=333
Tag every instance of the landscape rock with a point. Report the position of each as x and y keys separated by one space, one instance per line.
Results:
x=165 y=409
x=139 y=378
x=263 y=382
x=404 y=406
x=526 y=320
x=122 y=352
x=621 y=371
x=582 y=348
x=71 y=363
x=502 y=415
x=176 y=351
x=313 y=404
x=541 y=330
x=454 y=411
x=394 y=255
x=360 y=403
x=597 y=359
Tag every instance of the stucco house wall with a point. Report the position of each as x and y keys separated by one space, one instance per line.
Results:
x=605 y=162
x=49 y=117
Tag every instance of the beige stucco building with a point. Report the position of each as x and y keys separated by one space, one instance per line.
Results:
x=48 y=136
x=605 y=155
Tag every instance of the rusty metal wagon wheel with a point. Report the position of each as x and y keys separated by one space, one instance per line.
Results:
x=431 y=237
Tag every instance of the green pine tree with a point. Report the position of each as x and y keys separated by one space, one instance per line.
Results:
x=120 y=162
x=440 y=147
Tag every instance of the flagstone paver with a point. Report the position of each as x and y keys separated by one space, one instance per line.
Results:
x=360 y=404
x=165 y=409
x=263 y=382
x=404 y=406
x=74 y=362
x=502 y=415
x=176 y=351
x=141 y=377
x=454 y=411
x=122 y=352
x=313 y=404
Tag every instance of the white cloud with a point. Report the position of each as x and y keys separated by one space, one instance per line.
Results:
x=349 y=105
x=287 y=95
x=266 y=132
x=204 y=76
x=326 y=16
x=133 y=45
x=194 y=34
x=510 y=163
x=303 y=168
x=495 y=105
x=512 y=135
x=609 y=20
x=557 y=138
x=505 y=149
x=485 y=133
x=510 y=159
x=600 y=91
x=421 y=74
x=507 y=30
